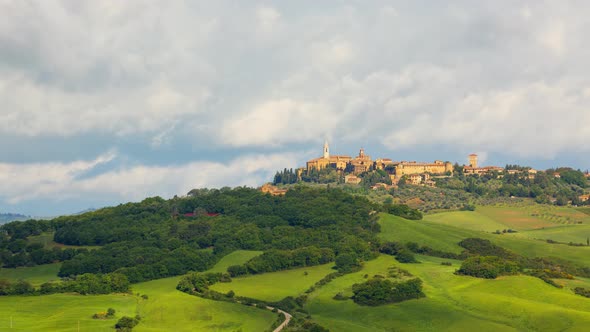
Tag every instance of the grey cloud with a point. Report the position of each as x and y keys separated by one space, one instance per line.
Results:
x=276 y=73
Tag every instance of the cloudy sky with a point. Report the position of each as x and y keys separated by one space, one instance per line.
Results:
x=103 y=102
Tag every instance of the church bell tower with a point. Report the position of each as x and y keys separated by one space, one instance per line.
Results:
x=326 y=150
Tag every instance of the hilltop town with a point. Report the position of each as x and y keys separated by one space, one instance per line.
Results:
x=559 y=186
x=410 y=172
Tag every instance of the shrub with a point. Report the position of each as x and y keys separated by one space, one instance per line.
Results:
x=582 y=291
x=488 y=267
x=379 y=291
x=126 y=323
x=405 y=256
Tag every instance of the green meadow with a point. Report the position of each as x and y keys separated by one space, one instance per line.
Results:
x=63 y=312
x=36 y=275
x=46 y=239
x=275 y=286
x=521 y=217
x=165 y=308
x=562 y=224
x=444 y=237
x=235 y=258
x=452 y=303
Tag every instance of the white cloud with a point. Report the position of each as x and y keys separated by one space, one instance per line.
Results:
x=279 y=121
x=553 y=37
x=479 y=77
x=62 y=181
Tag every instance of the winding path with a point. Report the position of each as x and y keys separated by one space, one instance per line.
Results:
x=283 y=324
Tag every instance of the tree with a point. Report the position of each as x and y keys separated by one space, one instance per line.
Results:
x=126 y=323
x=405 y=256
x=347 y=262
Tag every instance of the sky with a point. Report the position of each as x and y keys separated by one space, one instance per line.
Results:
x=104 y=102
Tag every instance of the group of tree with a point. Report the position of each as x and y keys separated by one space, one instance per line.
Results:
x=544 y=186
x=378 y=291
x=403 y=211
x=15 y=252
x=488 y=267
x=276 y=260
x=158 y=238
x=82 y=284
x=286 y=176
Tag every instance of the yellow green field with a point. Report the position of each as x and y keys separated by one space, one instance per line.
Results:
x=521 y=217
x=276 y=285
x=165 y=308
x=533 y=221
x=453 y=303
x=36 y=275
x=62 y=312
x=444 y=237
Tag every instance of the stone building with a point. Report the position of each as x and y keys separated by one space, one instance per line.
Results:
x=327 y=160
x=273 y=190
x=362 y=163
x=352 y=179
x=474 y=169
x=412 y=167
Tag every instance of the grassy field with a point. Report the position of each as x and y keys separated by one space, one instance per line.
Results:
x=472 y=220
x=62 y=312
x=235 y=258
x=46 y=239
x=165 y=309
x=444 y=237
x=575 y=227
x=36 y=275
x=521 y=217
x=276 y=285
x=453 y=303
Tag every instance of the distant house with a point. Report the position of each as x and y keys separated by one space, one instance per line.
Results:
x=380 y=185
x=415 y=178
x=273 y=190
x=584 y=198
x=352 y=179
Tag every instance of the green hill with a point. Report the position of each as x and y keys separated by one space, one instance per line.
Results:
x=452 y=303
x=165 y=308
x=444 y=237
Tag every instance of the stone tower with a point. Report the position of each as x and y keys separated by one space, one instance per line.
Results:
x=326 y=150
x=473 y=160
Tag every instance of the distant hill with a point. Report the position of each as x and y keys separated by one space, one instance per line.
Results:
x=8 y=217
x=84 y=211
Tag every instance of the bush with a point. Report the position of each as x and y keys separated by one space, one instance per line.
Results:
x=347 y=263
x=405 y=256
x=126 y=323
x=488 y=267
x=378 y=291
x=582 y=291
x=402 y=210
